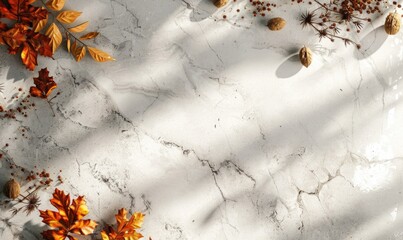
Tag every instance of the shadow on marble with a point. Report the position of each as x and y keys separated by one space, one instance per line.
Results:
x=290 y=67
x=31 y=231
x=16 y=70
x=202 y=11
x=371 y=43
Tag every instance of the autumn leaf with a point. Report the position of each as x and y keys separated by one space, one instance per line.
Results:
x=99 y=55
x=68 y=16
x=55 y=5
x=29 y=56
x=38 y=25
x=22 y=11
x=55 y=36
x=79 y=28
x=44 y=84
x=126 y=228
x=89 y=35
x=68 y=44
x=78 y=51
x=68 y=219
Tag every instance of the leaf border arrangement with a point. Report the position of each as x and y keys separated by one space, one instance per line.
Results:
x=36 y=30
x=68 y=221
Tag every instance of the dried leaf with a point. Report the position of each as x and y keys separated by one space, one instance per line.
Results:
x=99 y=55
x=29 y=56
x=68 y=43
x=79 y=52
x=68 y=16
x=56 y=5
x=126 y=228
x=55 y=36
x=44 y=84
x=79 y=28
x=68 y=219
x=89 y=35
x=74 y=47
x=39 y=25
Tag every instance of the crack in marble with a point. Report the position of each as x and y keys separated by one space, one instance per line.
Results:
x=214 y=171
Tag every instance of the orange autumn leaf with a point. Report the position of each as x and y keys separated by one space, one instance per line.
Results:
x=68 y=16
x=89 y=35
x=68 y=219
x=79 y=28
x=99 y=55
x=126 y=228
x=29 y=56
x=55 y=5
x=44 y=84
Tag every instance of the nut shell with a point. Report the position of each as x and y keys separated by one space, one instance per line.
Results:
x=12 y=189
x=305 y=56
x=392 y=23
x=220 y=3
x=276 y=24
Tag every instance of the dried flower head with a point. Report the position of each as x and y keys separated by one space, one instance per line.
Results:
x=32 y=203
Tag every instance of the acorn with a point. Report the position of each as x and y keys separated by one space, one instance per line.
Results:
x=276 y=24
x=392 y=23
x=305 y=56
x=12 y=189
x=220 y=3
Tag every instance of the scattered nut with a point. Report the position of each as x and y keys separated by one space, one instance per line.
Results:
x=220 y=3
x=276 y=24
x=392 y=23
x=305 y=56
x=12 y=189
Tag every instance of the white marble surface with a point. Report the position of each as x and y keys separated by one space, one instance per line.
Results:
x=214 y=130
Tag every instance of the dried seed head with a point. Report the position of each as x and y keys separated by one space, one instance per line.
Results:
x=12 y=189
x=276 y=24
x=220 y=3
x=305 y=56
x=392 y=23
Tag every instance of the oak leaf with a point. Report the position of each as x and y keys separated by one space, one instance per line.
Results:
x=44 y=85
x=68 y=219
x=126 y=228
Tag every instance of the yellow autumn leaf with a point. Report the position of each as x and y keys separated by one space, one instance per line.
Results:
x=79 y=53
x=68 y=44
x=39 y=25
x=56 y=5
x=68 y=16
x=99 y=55
x=104 y=236
x=55 y=36
x=79 y=28
x=89 y=35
